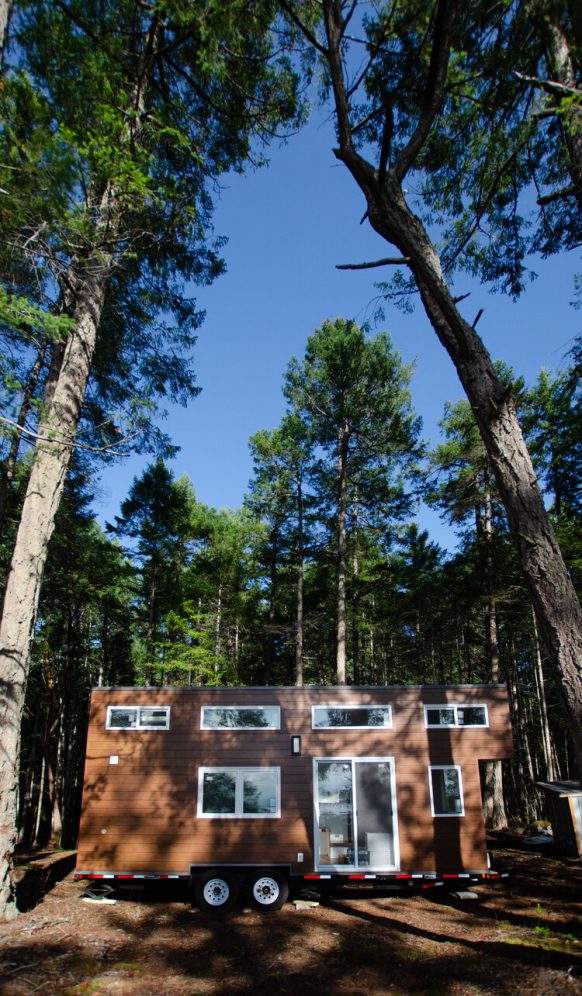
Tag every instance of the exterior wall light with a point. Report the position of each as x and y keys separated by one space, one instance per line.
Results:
x=295 y=746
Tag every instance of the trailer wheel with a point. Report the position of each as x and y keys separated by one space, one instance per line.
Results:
x=267 y=891
x=216 y=891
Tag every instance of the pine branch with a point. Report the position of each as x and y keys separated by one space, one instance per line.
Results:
x=388 y=261
x=36 y=436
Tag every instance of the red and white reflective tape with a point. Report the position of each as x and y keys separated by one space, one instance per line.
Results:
x=124 y=876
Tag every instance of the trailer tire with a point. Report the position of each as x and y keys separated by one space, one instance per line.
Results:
x=267 y=890
x=216 y=891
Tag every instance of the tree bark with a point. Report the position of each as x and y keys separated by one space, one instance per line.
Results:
x=5 y=11
x=561 y=68
x=342 y=544
x=9 y=465
x=356 y=599
x=553 y=595
x=56 y=434
x=494 y=804
x=299 y=620
x=542 y=703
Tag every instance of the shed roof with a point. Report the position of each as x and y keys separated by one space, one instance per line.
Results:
x=562 y=788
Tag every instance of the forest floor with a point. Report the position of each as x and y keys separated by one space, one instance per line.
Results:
x=521 y=937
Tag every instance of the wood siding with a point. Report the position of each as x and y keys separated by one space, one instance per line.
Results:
x=140 y=815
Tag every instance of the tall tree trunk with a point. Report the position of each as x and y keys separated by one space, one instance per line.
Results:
x=356 y=598
x=494 y=804
x=562 y=70
x=27 y=807
x=543 y=706
x=56 y=436
x=553 y=595
x=41 y=787
x=274 y=578
x=218 y=630
x=9 y=465
x=56 y=823
x=342 y=545
x=5 y=11
x=299 y=620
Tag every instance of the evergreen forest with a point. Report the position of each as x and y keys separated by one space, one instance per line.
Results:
x=461 y=126
x=175 y=592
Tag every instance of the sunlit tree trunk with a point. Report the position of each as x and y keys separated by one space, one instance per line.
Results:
x=5 y=7
x=562 y=70
x=553 y=595
x=9 y=465
x=299 y=618
x=494 y=804
x=543 y=706
x=56 y=434
x=356 y=597
x=342 y=545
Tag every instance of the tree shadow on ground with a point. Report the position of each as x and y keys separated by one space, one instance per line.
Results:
x=512 y=949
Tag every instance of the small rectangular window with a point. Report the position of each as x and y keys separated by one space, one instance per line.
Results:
x=249 y=793
x=356 y=717
x=240 y=718
x=138 y=718
x=446 y=790
x=472 y=715
x=455 y=715
x=440 y=716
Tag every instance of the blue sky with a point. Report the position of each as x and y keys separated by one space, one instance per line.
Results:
x=288 y=225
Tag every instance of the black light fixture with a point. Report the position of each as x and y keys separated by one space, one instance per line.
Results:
x=295 y=746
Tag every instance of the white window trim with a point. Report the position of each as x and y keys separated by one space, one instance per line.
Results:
x=341 y=705
x=445 y=767
x=456 y=725
x=240 y=729
x=134 y=729
x=239 y=772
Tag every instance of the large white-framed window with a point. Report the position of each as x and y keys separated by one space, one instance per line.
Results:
x=235 y=717
x=133 y=717
x=239 y=793
x=446 y=790
x=464 y=714
x=354 y=717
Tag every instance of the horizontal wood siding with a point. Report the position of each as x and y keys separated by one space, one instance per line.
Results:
x=140 y=815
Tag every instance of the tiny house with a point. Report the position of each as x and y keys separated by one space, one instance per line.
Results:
x=260 y=788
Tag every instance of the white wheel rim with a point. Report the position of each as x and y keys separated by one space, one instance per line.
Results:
x=266 y=890
x=216 y=892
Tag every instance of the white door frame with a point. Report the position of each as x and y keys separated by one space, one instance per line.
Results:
x=352 y=760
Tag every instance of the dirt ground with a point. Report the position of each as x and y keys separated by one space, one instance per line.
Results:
x=523 y=937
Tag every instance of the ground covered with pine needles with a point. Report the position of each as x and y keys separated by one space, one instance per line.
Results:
x=523 y=937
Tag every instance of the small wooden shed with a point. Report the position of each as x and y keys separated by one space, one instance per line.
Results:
x=564 y=801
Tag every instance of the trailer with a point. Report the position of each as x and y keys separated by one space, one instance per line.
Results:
x=257 y=790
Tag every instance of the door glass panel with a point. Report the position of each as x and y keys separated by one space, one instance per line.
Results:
x=336 y=817
x=374 y=814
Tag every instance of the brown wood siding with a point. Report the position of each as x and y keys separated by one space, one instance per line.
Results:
x=141 y=815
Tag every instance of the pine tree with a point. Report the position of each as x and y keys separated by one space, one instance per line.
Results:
x=354 y=395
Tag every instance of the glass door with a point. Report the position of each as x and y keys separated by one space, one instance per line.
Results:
x=354 y=802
